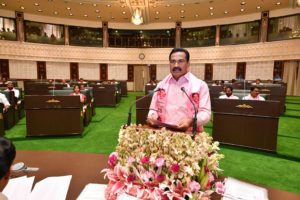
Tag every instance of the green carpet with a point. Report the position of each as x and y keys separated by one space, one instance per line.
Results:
x=281 y=170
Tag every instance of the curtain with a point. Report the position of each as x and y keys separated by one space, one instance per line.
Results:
x=290 y=77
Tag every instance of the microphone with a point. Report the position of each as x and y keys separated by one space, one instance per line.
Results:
x=130 y=108
x=195 y=113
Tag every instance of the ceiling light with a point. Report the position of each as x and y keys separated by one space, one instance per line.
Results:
x=182 y=17
x=278 y=3
x=258 y=7
x=40 y=10
x=225 y=12
x=157 y=12
x=112 y=17
x=243 y=3
x=169 y=17
x=81 y=3
x=196 y=15
x=211 y=14
x=71 y=14
x=68 y=8
x=94 y=5
x=36 y=4
x=124 y=12
x=3 y=4
x=55 y=12
x=137 y=17
x=298 y=2
x=97 y=11
x=98 y=16
x=85 y=15
x=122 y=6
x=182 y=11
x=182 y=4
x=242 y=10
x=154 y=6
x=22 y=7
x=168 y=5
x=108 y=5
x=211 y=8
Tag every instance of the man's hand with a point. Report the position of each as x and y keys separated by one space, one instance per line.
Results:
x=152 y=121
x=185 y=124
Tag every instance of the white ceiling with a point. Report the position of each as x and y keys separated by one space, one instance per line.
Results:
x=153 y=10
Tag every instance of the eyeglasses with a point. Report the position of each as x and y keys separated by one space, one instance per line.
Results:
x=179 y=62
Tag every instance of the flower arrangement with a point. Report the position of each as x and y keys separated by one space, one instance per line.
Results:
x=162 y=164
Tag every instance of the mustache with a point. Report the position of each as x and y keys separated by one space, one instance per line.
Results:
x=176 y=69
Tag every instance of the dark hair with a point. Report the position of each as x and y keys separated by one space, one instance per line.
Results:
x=230 y=87
x=187 y=54
x=76 y=85
x=253 y=88
x=7 y=155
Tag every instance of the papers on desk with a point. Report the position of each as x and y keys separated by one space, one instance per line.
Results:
x=49 y=188
x=239 y=190
x=97 y=192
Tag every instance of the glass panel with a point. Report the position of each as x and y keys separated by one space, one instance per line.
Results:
x=240 y=33
x=44 y=33
x=198 y=37
x=142 y=38
x=82 y=36
x=284 y=28
x=7 y=29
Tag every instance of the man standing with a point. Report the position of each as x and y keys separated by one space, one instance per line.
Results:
x=173 y=106
x=7 y=156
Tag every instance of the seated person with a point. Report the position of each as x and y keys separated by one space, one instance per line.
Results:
x=5 y=102
x=10 y=87
x=257 y=82
x=7 y=156
x=216 y=83
x=254 y=94
x=76 y=92
x=64 y=82
x=228 y=94
x=81 y=81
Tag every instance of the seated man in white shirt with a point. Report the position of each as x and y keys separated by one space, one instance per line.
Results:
x=5 y=102
x=257 y=82
x=254 y=94
x=7 y=156
x=10 y=87
x=228 y=94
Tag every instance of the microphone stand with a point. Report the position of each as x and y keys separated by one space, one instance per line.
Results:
x=195 y=114
x=130 y=108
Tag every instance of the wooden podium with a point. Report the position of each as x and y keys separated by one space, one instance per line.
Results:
x=53 y=115
x=251 y=124
x=142 y=109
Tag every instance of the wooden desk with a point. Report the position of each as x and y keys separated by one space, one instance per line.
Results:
x=251 y=124
x=105 y=95
x=142 y=109
x=86 y=167
x=53 y=115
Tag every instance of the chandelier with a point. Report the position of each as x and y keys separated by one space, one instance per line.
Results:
x=137 y=17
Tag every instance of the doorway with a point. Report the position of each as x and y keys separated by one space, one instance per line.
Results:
x=141 y=77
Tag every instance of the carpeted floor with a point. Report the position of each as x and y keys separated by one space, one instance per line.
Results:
x=281 y=170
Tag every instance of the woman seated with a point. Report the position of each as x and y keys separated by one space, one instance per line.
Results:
x=76 y=92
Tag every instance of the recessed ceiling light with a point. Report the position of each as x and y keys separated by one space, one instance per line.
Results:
x=243 y=3
x=36 y=4
x=154 y=6
x=98 y=16
x=97 y=11
x=278 y=3
x=211 y=8
x=182 y=17
x=242 y=10
x=40 y=10
x=85 y=15
x=68 y=8
x=22 y=7
x=55 y=12
x=258 y=7
x=211 y=14
x=225 y=12
x=71 y=14
x=182 y=11
x=94 y=5
x=112 y=17
x=3 y=4
x=108 y=5
x=169 y=17
x=196 y=15
x=168 y=5
x=81 y=3
x=157 y=12
x=182 y=4
x=124 y=12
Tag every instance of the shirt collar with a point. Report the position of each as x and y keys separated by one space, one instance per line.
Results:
x=184 y=78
